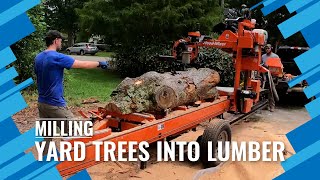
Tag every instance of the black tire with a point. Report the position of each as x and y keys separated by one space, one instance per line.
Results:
x=93 y=54
x=68 y=52
x=199 y=139
x=211 y=133
x=82 y=52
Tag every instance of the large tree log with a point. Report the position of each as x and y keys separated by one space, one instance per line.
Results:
x=155 y=92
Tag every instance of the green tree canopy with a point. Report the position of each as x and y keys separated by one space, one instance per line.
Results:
x=143 y=28
x=61 y=15
x=156 y=20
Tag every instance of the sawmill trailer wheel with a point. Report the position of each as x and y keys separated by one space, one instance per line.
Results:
x=218 y=130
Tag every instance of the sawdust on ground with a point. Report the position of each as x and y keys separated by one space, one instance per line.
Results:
x=263 y=126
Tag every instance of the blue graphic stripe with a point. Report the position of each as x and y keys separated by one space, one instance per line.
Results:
x=15 y=25
x=307 y=170
x=269 y=8
x=313 y=108
x=255 y=6
x=17 y=88
x=314 y=78
x=304 y=135
x=5 y=86
x=307 y=6
x=309 y=34
x=304 y=76
x=309 y=59
x=312 y=90
x=17 y=10
x=10 y=130
x=35 y=169
x=18 y=145
x=299 y=21
x=7 y=57
x=8 y=75
x=16 y=166
x=7 y=4
x=303 y=155
x=268 y=2
x=52 y=173
x=295 y=5
x=16 y=32
x=13 y=104
x=304 y=139
x=82 y=175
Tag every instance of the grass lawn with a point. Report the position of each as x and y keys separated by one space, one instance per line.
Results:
x=104 y=54
x=81 y=84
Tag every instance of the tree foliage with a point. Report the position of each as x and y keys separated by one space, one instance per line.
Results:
x=221 y=62
x=26 y=49
x=142 y=20
x=61 y=15
x=141 y=29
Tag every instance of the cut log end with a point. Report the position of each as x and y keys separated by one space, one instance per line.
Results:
x=156 y=92
x=113 y=108
x=165 y=97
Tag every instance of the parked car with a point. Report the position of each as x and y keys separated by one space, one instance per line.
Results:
x=103 y=47
x=82 y=49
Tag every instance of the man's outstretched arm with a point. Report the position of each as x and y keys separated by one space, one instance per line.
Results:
x=69 y=62
x=89 y=64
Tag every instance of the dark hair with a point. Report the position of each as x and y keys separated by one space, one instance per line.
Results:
x=51 y=36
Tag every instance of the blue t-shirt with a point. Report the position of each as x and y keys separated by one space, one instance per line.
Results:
x=49 y=67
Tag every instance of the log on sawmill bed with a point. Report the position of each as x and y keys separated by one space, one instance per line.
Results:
x=156 y=92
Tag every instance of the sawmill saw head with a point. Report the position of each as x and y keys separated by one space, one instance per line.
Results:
x=185 y=51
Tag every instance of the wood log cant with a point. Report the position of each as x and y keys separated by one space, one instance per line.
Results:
x=156 y=92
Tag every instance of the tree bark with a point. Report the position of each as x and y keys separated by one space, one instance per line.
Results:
x=70 y=39
x=222 y=4
x=155 y=92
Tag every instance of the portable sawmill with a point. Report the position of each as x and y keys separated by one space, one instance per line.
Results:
x=241 y=100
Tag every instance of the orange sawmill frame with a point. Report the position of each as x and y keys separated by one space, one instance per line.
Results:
x=150 y=132
x=151 y=127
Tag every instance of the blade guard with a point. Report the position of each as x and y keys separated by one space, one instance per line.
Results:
x=275 y=66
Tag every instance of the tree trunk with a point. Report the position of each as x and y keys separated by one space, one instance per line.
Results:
x=70 y=39
x=222 y=4
x=155 y=92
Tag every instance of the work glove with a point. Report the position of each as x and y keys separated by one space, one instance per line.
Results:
x=103 y=64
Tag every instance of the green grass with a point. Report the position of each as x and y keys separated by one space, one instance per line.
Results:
x=81 y=84
x=104 y=54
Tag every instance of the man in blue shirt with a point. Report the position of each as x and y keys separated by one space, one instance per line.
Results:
x=49 y=68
